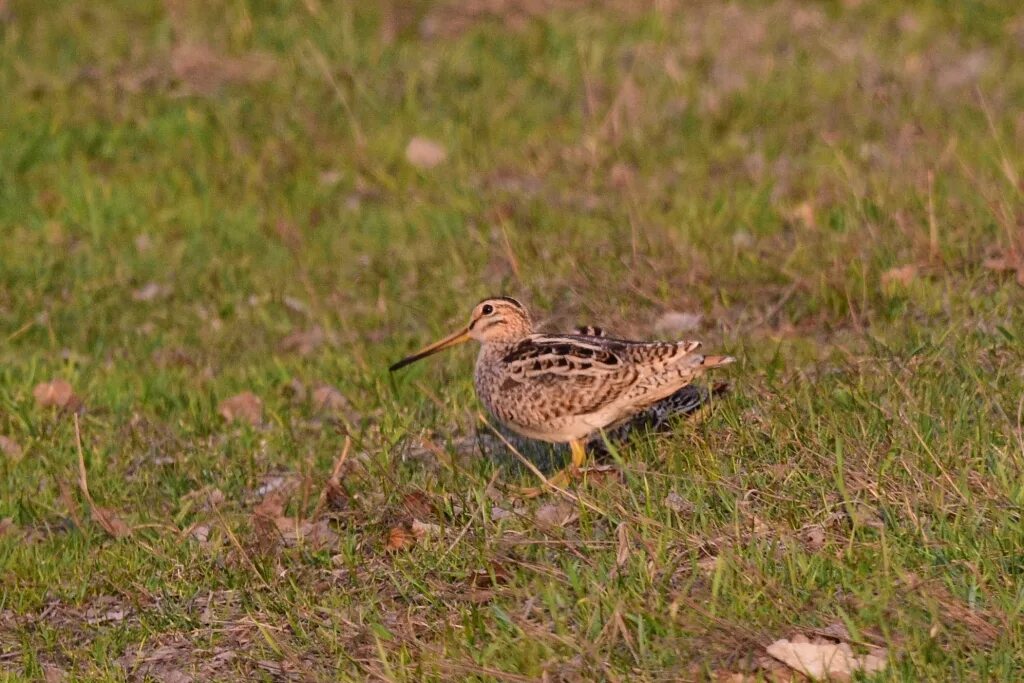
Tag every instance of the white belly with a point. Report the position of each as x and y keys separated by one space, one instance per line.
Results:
x=571 y=428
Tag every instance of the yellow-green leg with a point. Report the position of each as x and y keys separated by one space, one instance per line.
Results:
x=579 y=454
x=563 y=476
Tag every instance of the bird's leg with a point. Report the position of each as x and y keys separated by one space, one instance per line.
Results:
x=579 y=453
x=564 y=475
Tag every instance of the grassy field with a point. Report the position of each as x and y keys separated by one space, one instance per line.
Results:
x=199 y=200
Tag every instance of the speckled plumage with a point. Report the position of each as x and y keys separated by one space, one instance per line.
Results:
x=565 y=388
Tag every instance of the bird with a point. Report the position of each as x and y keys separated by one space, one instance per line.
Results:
x=567 y=388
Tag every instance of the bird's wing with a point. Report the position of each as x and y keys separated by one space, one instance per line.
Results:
x=583 y=374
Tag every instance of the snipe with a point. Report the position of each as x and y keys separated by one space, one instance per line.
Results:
x=564 y=388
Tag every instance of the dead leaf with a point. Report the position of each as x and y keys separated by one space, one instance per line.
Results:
x=902 y=276
x=824 y=661
x=334 y=495
x=303 y=342
x=265 y=518
x=422 y=529
x=10 y=448
x=554 y=515
x=622 y=176
x=148 y=292
x=7 y=526
x=54 y=674
x=813 y=537
x=203 y=70
x=862 y=514
x=623 y=552
x=110 y=522
x=275 y=483
x=399 y=538
x=424 y=153
x=57 y=393
x=328 y=399
x=673 y=501
x=708 y=565
x=313 y=534
x=143 y=242
x=804 y=213
x=677 y=322
x=837 y=631
x=243 y=407
x=601 y=475
x=495 y=575
x=742 y=240
x=1009 y=261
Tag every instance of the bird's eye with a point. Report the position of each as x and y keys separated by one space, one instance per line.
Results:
x=487 y=309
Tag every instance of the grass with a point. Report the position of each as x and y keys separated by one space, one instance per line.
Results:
x=183 y=186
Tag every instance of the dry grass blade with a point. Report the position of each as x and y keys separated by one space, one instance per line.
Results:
x=107 y=518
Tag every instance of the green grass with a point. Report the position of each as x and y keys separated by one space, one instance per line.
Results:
x=763 y=164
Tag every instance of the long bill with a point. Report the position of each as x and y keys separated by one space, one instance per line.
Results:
x=451 y=340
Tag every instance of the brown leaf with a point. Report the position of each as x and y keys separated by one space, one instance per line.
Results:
x=824 y=661
x=303 y=342
x=673 y=501
x=423 y=529
x=243 y=407
x=1010 y=261
x=400 y=538
x=553 y=515
x=328 y=399
x=813 y=537
x=1000 y=263
x=148 y=292
x=110 y=522
x=602 y=475
x=54 y=674
x=10 y=448
x=804 y=213
x=314 y=534
x=743 y=240
x=335 y=496
x=424 y=153
x=203 y=70
x=623 y=552
x=495 y=575
x=56 y=393
x=271 y=507
x=622 y=176
x=215 y=497
x=7 y=526
x=902 y=275
x=265 y=518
